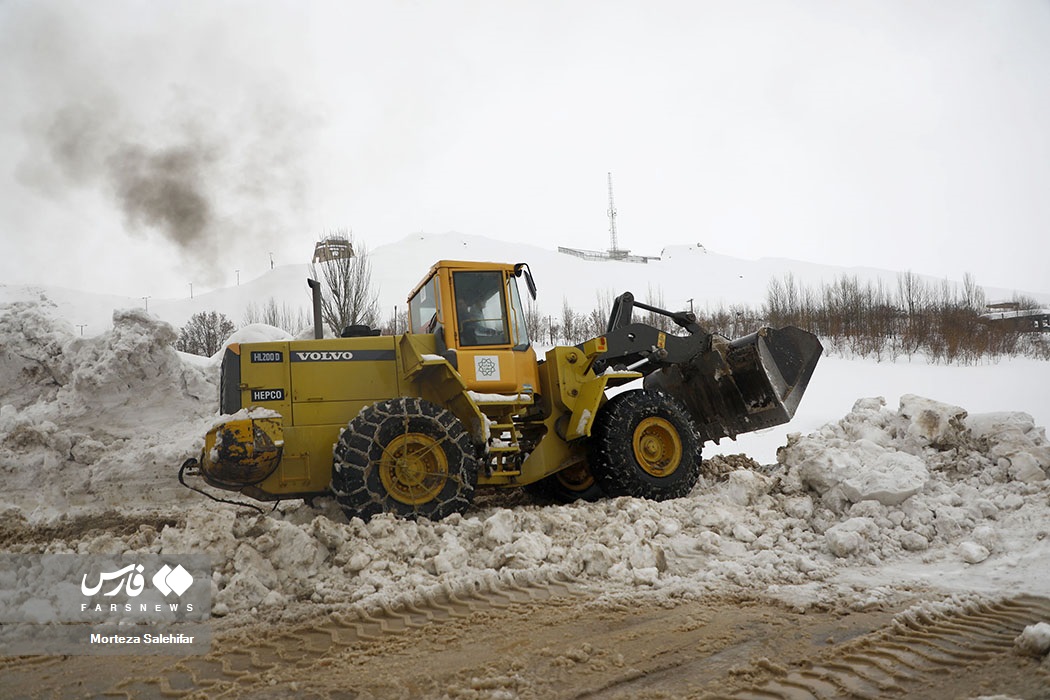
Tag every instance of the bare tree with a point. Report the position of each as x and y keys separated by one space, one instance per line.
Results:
x=347 y=295
x=573 y=324
x=598 y=319
x=656 y=298
x=1024 y=302
x=973 y=295
x=912 y=292
x=284 y=317
x=940 y=320
x=553 y=330
x=533 y=320
x=396 y=323
x=204 y=333
x=776 y=309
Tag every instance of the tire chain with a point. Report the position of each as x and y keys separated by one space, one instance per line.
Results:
x=356 y=455
x=611 y=454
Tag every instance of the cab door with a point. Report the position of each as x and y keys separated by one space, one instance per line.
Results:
x=494 y=352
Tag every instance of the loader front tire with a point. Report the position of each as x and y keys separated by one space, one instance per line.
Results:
x=644 y=444
x=404 y=456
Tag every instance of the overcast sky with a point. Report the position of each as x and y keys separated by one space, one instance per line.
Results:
x=148 y=145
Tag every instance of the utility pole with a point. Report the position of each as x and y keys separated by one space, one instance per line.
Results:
x=191 y=290
x=81 y=326
x=238 y=277
x=146 y=300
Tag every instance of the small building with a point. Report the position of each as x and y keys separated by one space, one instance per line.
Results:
x=333 y=248
x=612 y=254
x=1025 y=320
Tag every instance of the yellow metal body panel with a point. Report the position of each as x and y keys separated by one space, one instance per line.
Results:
x=551 y=455
x=326 y=374
x=590 y=396
x=446 y=267
x=434 y=379
x=265 y=377
x=498 y=370
x=317 y=386
x=560 y=379
x=307 y=463
x=568 y=398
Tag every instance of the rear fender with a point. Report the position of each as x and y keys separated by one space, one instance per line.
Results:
x=436 y=380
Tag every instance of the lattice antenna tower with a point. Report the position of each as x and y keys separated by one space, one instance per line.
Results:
x=614 y=249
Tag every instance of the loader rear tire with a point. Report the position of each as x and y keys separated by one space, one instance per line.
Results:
x=644 y=444
x=404 y=456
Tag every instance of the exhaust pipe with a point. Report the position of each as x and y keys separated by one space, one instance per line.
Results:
x=315 y=291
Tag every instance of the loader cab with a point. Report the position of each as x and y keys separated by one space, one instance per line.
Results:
x=475 y=312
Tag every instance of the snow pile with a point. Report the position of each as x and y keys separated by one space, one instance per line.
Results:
x=254 y=333
x=132 y=366
x=938 y=489
x=925 y=474
x=1034 y=640
x=1014 y=442
x=76 y=410
x=31 y=344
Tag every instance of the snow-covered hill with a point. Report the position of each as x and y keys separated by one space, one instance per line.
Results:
x=681 y=274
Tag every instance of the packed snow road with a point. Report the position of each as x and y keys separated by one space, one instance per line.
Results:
x=566 y=641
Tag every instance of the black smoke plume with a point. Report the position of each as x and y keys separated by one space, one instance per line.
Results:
x=213 y=162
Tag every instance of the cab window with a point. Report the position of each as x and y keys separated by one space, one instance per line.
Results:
x=521 y=332
x=481 y=312
x=423 y=307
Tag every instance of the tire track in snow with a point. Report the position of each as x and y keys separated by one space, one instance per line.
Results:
x=237 y=660
x=913 y=652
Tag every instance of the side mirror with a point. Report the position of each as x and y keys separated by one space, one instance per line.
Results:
x=529 y=282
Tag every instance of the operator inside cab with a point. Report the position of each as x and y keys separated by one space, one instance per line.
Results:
x=480 y=310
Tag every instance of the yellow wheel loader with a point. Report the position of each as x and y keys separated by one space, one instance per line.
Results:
x=411 y=424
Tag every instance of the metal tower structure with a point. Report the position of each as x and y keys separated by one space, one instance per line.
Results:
x=615 y=252
x=614 y=249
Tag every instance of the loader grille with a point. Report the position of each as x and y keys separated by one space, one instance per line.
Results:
x=230 y=382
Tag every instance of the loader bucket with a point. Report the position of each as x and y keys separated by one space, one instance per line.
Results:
x=737 y=386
